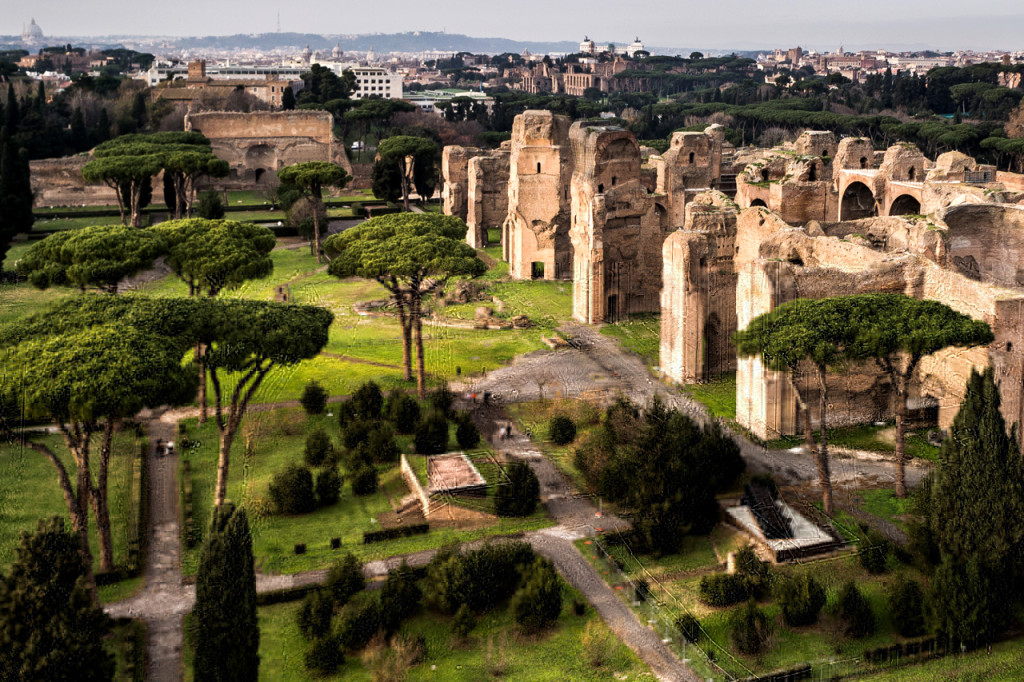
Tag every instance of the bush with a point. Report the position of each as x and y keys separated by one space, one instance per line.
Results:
x=801 y=598
x=874 y=552
x=538 y=603
x=642 y=590
x=442 y=399
x=855 y=612
x=463 y=622
x=480 y=578
x=367 y=401
x=562 y=430
x=381 y=446
x=364 y=481
x=359 y=623
x=399 y=597
x=466 y=433
x=291 y=490
x=431 y=436
x=757 y=573
x=597 y=644
x=314 y=616
x=404 y=412
x=750 y=629
x=723 y=589
x=906 y=602
x=318 y=446
x=519 y=495
x=325 y=655
x=210 y=206
x=356 y=432
x=328 y=487
x=314 y=398
x=402 y=531
x=689 y=627
x=345 y=578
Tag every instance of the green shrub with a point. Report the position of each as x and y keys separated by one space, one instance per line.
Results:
x=325 y=655
x=328 y=487
x=801 y=598
x=356 y=432
x=359 y=623
x=519 y=495
x=466 y=433
x=345 y=578
x=399 y=597
x=210 y=205
x=689 y=627
x=442 y=399
x=562 y=430
x=463 y=622
x=314 y=615
x=364 y=481
x=431 y=437
x=291 y=490
x=318 y=445
x=314 y=398
x=538 y=603
x=479 y=578
x=855 y=612
x=381 y=446
x=367 y=401
x=404 y=412
x=874 y=552
x=723 y=589
x=757 y=573
x=906 y=603
x=395 y=532
x=750 y=629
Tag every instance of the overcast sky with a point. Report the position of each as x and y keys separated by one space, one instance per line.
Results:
x=996 y=24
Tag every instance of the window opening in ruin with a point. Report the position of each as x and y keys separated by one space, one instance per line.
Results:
x=911 y=173
x=537 y=270
x=1009 y=346
x=812 y=173
x=612 y=313
x=691 y=157
x=259 y=174
x=764 y=175
x=613 y=180
x=863 y=162
x=794 y=259
x=758 y=202
x=600 y=189
x=538 y=168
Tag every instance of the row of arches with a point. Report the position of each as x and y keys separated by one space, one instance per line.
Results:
x=859 y=202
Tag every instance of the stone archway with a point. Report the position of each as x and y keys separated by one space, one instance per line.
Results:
x=758 y=202
x=905 y=204
x=858 y=202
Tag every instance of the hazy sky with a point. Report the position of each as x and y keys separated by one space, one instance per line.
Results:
x=998 y=24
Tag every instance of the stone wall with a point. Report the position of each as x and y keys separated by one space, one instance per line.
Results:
x=454 y=170
x=59 y=182
x=487 y=195
x=535 y=234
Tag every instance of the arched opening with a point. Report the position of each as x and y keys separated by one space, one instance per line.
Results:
x=600 y=189
x=812 y=173
x=858 y=202
x=758 y=202
x=258 y=174
x=691 y=158
x=764 y=175
x=863 y=162
x=911 y=174
x=905 y=204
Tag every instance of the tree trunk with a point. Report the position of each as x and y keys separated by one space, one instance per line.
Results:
x=223 y=460
x=405 y=320
x=239 y=402
x=100 y=501
x=421 y=374
x=405 y=186
x=824 y=475
x=203 y=410
x=901 y=439
x=316 y=228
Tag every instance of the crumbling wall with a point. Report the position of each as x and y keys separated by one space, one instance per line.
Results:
x=59 y=182
x=987 y=242
x=854 y=153
x=535 y=234
x=455 y=172
x=617 y=228
x=487 y=200
x=687 y=168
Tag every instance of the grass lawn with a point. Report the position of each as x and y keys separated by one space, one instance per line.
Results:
x=718 y=395
x=554 y=655
x=883 y=503
x=640 y=334
x=533 y=418
x=872 y=438
x=1004 y=664
x=546 y=303
x=74 y=223
x=278 y=438
x=29 y=491
x=128 y=660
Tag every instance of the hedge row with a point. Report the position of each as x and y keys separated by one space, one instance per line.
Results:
x=188 y=527
x=140 y=494
x=286 y=594
x=396 y=532
x=135 y=662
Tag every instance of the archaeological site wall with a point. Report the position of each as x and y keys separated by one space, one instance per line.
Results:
x=59 y=182
x=455 y=172
x=486 y=195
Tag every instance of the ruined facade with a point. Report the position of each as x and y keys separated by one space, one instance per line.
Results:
x=454 y=170
x=535 y=233
x=486 y=195
x=258 y=144
x=617 y=226
x=59 y=182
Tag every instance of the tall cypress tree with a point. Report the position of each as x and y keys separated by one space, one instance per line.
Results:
x=49 y=627
x=227 y=635
x=977 y=501
x=15 y=192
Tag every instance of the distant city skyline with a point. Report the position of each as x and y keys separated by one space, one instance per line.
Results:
x=737 y=24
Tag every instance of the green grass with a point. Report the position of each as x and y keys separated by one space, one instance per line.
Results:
x=29 y=491
x=122 y=644
x=74 y=223
x=493 y=235
x=718 y=395
x=884 y=504
x=553 y=655
x=640 y=334
x=547 y=304
x=871 y=438
x=533 y=418
x=278 y=438
x=1004 y=664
